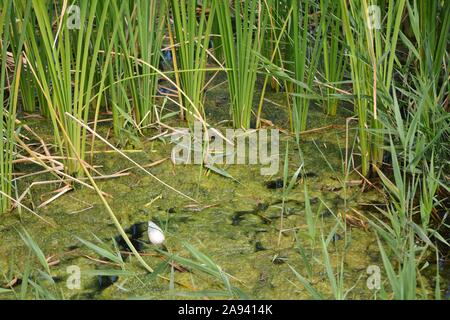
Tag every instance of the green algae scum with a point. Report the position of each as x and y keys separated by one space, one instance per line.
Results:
x=225 y=149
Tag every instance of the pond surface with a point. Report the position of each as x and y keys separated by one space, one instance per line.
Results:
x=243 y=226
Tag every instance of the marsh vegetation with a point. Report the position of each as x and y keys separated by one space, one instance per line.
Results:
x=93 y=93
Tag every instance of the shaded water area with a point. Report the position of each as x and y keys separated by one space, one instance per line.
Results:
x=241 y=225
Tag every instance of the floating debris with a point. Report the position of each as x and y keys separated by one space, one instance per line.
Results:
x=155 y=234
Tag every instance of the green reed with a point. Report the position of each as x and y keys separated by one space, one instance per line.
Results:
x=303 y=56
x=333 y=52
x=9 y=95
x=354 y=19
x=408 y=229
x=241 y=53
x=144 y=37
x=69 y=86
x=192 y=36
x=429 y=22
x=275 y=49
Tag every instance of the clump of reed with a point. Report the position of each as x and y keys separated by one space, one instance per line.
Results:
x=303 y=56
x=241 y=51
x=63 y=60
x=334 y=62
x=141 y=44
x=192 y=37
x=10 y=78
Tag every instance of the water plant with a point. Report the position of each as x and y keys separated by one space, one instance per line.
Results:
x=360 y=50
x=120 y=78
x=333 y=52
x=192 y=36
x=144 y=40
x=241 y=53
x=9 y=95
x=70 y=60
x=303 y=56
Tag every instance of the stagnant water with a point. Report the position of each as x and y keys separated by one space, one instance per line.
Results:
x=236 y=224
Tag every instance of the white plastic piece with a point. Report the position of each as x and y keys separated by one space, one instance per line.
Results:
x=155 y=234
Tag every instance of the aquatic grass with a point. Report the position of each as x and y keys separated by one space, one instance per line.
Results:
x=241 y=53
x=21 y=16
x=333 y=51
x=9 y=95
x=383 y=53
x=303 y=53
x=36 y=283
x=407 y=230
x=372 y=54
x=275 y=62
x=117 y=100
x=103 y=252
x=288 y=185
x=360 y=51
x=73 y=54
x=34 y=247
x=275 y=47
x=430 y=25
x=192 y=36
x=144 y=40
x=428 y=54
x=335 y=275
x=201 y=262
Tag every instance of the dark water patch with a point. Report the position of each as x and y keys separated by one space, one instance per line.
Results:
x=279 y=259
x=261 y=206
x=12 y=284
x=137 y=230
x=239 y=216
x=326 y=214
x=259 y=246
x=135 y=233
x=310 y=175
x=337 y=237
x=171 y=210
x=104 y=282
x=275 y=184
x=73 y=247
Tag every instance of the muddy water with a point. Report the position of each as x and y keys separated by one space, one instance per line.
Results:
x=240 y=225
